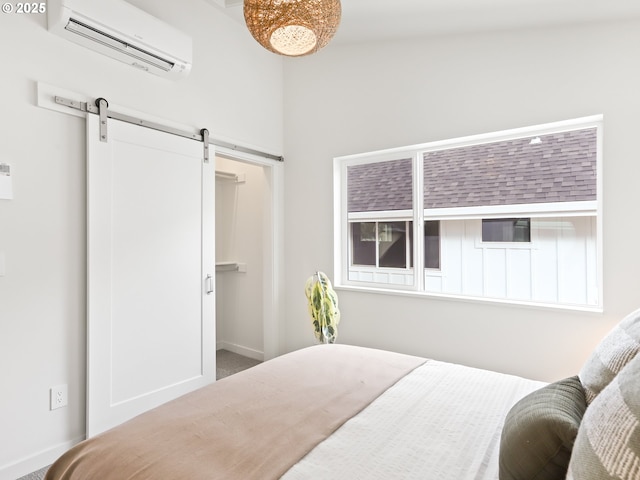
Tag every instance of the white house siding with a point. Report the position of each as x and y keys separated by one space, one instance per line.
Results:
x=558 y=266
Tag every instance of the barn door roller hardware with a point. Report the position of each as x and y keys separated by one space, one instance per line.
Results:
x=101 y=108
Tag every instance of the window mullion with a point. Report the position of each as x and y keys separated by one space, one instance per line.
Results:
x=418 y=222
x=377 y=244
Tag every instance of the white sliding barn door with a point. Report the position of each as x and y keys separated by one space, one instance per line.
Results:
x=151 y=323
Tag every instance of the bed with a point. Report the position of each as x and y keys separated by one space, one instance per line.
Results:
x=345 y=412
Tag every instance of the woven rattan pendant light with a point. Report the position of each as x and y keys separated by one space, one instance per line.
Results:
x=292 y=27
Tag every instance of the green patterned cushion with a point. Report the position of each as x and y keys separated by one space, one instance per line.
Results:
x=611 y=355
x=608 y=442
x=539 y=432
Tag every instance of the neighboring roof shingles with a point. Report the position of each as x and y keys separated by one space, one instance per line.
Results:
x=380 y=186
x=561 y=167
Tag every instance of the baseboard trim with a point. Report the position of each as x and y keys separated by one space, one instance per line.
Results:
x=241 y=350
x=36 y=461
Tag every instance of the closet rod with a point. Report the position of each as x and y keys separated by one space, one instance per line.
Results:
x=89 y=108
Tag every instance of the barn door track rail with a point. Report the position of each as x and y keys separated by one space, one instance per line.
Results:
x=101 y=108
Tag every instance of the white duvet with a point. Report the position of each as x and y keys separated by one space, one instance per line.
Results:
x=442 y=421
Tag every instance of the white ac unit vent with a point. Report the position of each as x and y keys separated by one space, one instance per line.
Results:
x=124 y=32
x=228 y=3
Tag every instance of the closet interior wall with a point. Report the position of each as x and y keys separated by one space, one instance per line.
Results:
x=240 y=193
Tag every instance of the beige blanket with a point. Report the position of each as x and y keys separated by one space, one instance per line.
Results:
x=252 y=425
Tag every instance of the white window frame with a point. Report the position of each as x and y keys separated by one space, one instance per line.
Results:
x=419 y=215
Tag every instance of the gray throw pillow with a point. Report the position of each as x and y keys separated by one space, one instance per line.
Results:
x=608 y=442
x=539 y=431
x=611 y=355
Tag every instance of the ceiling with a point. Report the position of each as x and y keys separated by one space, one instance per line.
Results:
x=370 y=20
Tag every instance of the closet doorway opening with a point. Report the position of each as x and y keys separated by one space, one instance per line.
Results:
x=247 y=253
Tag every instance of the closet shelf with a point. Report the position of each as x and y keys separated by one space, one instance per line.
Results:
x=234 y=177
x=231 y=267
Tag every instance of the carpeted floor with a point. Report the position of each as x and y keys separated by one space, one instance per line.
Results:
x=39 y=475
x=227 y=363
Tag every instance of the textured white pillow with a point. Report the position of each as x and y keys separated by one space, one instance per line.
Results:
x=608 y=442
x=619 y=347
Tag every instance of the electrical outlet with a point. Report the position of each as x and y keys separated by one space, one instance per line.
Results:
x=58 y=397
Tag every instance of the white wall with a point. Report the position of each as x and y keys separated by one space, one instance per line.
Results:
x=361 y=98
x=240 y=238
x=234 y=90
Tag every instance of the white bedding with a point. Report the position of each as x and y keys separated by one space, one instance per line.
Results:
x=328 y=412
x=418 y=428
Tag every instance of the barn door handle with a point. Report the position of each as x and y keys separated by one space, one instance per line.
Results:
x=209 y=284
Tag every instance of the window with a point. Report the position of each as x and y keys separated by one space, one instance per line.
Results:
x=513 y=216
x=393 y=251
x=363 y=240
x=432 y=244
x=382 y=244
x=506 y=230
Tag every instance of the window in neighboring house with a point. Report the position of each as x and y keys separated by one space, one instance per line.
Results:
x=393 y=244
x=506 y=230
x=432 y=244
x=382 y=244
x=363 y=243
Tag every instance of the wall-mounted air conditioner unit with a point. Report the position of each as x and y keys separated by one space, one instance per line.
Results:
x=124 y=32
x=227 y=3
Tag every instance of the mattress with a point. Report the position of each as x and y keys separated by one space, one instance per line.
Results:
x=328 y=411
